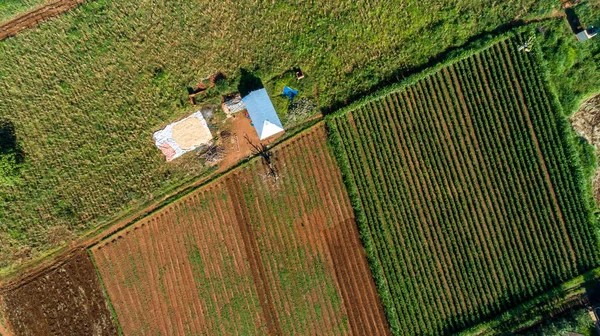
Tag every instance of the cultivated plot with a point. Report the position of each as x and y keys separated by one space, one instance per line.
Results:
x=470 y=197
x=249 y=254
x=64 y=300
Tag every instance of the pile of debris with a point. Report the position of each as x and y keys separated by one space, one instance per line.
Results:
x=201 y=87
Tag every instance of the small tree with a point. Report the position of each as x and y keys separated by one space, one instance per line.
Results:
x=222 y=86
x=10 y=154
x=266 y=155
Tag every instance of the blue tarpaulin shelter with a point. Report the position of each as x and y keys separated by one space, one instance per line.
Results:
x=289 y=92
x=263 y=115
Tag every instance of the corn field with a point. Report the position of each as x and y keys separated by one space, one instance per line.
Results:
x=467 y=194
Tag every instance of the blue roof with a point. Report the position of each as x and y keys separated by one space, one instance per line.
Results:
x=263 y=115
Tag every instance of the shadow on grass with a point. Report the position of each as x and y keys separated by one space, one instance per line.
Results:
x=248 y=83
x=8 y=140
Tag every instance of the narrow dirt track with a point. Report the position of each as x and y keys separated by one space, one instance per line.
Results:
x=35 y=16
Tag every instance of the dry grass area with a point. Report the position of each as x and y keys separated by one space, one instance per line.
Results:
x=586 y=122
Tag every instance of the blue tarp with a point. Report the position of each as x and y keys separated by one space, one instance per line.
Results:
x=263 y=115
x=289 y=92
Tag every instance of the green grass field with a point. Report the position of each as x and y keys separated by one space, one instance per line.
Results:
x=468 y=191
x=86 y=90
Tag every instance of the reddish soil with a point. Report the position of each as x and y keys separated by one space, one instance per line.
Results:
x=65 y=300
x=253 y=254
x=35 y=16
x=237 y=147
x=253 y=237
x=354 y=278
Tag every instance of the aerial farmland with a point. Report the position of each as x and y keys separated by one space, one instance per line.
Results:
x=284 y=168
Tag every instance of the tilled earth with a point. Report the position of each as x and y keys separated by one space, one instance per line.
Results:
x=66 y=299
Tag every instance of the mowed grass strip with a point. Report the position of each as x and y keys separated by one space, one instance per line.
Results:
x=467 y=191
x=248 y=254
x=86 y=90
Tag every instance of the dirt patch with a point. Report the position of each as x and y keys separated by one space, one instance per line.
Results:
x=586 y=123
x=237 y=147
x=3 y=321
x=66 y=300
x=35 y=16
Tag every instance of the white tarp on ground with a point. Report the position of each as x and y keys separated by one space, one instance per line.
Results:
x=183 y=136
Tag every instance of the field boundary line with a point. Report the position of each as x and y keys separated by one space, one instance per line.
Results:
x=35 y=16
x=109 y=303
x=365 y=235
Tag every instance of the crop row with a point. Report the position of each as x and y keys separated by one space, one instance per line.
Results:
x=249 y=254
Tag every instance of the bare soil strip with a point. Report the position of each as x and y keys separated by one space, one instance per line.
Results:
x=352 y=272
x=35 y=16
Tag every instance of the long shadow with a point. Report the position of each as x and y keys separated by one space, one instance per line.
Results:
x=400 y=74
x=8 y=140
x=573 y=20
x=248 y=83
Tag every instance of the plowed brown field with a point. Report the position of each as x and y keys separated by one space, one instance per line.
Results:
x=248 y=254
x=66 y=299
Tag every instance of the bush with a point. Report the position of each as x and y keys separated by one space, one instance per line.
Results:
x=10 y=155
x=222 y=86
